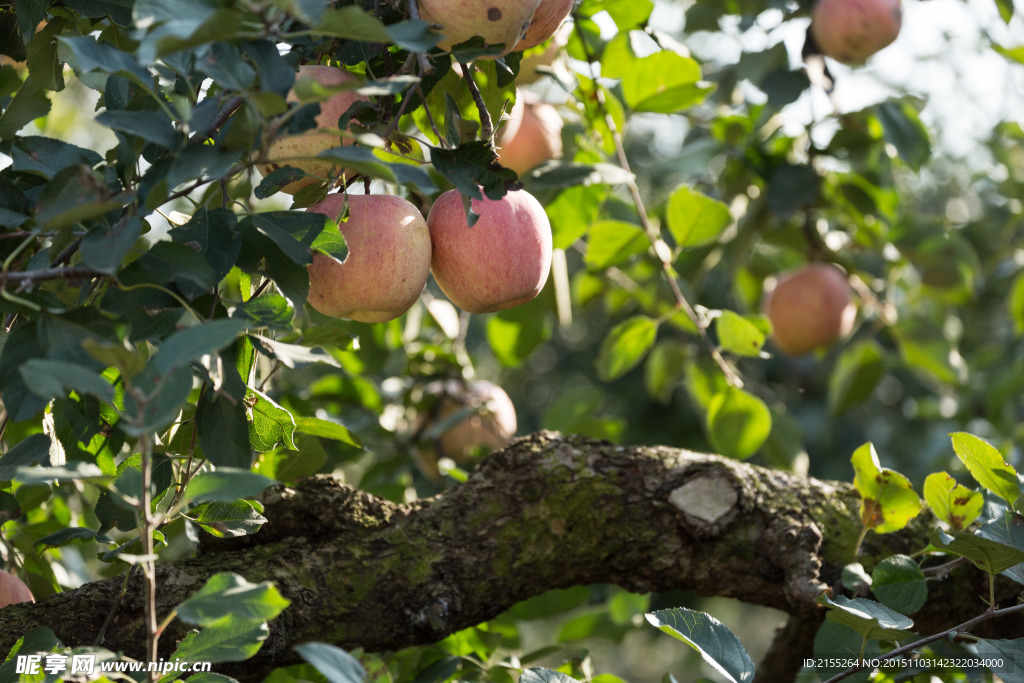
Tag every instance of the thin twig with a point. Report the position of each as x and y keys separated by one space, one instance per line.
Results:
x=42 y=274
x=430 y=117
x=486 y=127
x=652 y=234
x=961 y=628
x=414 y=13
x=942 y=571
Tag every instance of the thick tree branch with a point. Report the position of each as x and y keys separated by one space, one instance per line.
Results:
x=548 y=512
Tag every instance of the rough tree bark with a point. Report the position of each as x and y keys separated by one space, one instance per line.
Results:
x=548 y=512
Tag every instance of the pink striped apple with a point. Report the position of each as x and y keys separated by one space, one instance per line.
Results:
x=387 y=263
x=501 y=262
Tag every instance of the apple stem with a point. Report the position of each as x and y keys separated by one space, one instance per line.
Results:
x=486 y=127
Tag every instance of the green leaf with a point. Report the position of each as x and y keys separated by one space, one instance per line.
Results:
x=625 y=346
x=859 y=369
x=905 y=131
x=870 y=619
x=106 y=246
x=987 y=466
x=888 y=501
x=468 y=167
x=694 y=219
x=986 y=554
x=153 y=126
x=335 y=664
x=738 y=335
x=70 y=534
x=29 y=104
x=1008 y=654
x=352 y=23
x=665 y=369
x=1008 y=530
x=190 y=344
x=575 y=208
x=31 y=450
x=326 y=429
x=226 y=594
x=228 y=520
x=223 y=431
x=899 y=584
x=92 y=55
x=225 y=485
x=166 y=394
x=292 y=355
x=1015 y=302
x=76 y=471
x=54 y=379
x=664 y=82
x=73 y=196
x=515 y=332
x=717 y=645
x=954 y=504
x=288 y=466
x=268 y=310
x=269 y=423
x=612 y=243
x=738 y=423
x=229 y=640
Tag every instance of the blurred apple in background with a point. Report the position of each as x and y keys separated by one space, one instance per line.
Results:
x=287 y=150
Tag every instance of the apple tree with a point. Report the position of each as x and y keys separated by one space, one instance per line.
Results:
x=754 y=307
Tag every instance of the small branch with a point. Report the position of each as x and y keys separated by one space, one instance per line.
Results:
x=960 y=628
x=657 y=245
x=414 y=13
x=43 y=274
x=942 y=571
x=486 y=127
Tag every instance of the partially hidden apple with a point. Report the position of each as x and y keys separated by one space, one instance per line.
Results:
x=538 y=60
x=290 y=150
x=13 y=590
x=809 y=308
x=500 y=262
x=537 y=138
x=488 y=417
x=387 y=264
x=850 y=31
x=546 y=20
x=498 y=22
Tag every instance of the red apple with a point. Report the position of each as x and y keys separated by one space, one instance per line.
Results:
x=501 y=22
x=13 y=590
x=546 y=20
x=502 y=261
x=810 y=308
x=850 y=31
x=490 y=424
x=387 y=264
x=290 y=150
x=537 y=138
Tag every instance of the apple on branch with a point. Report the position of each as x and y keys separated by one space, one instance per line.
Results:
x=546 y=21
x=533 y=134
x=13 y=590
x=483 y=415
x=497 y=22
x=500 y=262
x=850 y=31
x=297 y=150
x=809 y=308
x=387 y=264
